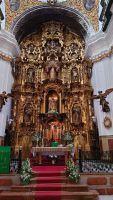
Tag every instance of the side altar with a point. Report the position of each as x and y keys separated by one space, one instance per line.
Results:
x=39 y=152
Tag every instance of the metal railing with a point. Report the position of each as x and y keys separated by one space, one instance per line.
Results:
x=95 y=161
x=15 y=163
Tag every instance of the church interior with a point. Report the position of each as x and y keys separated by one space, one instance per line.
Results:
x=56 y=91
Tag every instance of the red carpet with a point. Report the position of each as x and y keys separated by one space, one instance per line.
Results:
x=49 y=182
x=48 y=168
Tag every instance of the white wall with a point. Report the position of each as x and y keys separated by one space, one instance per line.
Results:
x=8 y=47
x=102 y=77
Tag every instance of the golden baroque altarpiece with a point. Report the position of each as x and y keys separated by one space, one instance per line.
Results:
x=52 y=91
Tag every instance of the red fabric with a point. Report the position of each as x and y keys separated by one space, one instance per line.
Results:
x=49 y=185
x=50 y=179
x=48 y=168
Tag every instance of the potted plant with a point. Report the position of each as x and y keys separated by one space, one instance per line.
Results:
x=72 y=171
x=26 y=172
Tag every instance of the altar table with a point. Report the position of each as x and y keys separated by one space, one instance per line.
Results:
x=42 y=151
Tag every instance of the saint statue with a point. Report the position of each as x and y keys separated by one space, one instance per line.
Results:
x=30 y=75
x=28 y=114
x=76 y=115
x=74 y=75
x=52 y=103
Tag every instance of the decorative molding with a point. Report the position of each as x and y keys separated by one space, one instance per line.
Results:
x=101 y=56
x=6 y=57
x=75 y=4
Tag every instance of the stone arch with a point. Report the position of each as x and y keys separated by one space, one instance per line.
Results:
x=32 y=18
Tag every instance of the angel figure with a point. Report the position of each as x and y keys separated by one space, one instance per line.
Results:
x=102 y=97
x=3 y=99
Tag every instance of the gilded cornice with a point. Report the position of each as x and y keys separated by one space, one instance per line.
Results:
x=5 y=57
x=78 y=4
x=101 y=56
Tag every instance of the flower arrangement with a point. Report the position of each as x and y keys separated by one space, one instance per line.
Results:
x=72 y=171
x=36 y=138
x=53 y=158
x=67 y=136
x=26 y=172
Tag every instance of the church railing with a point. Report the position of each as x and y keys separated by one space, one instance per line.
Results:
x=95 y=161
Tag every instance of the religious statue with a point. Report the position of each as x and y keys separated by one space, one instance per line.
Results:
x=76 y=115
x=102 y=97
x=3 y=99
x=52 y=68
x=74 y=75
x=30 y=75
x=104 y=104
x=52 y=103
x=28 y=114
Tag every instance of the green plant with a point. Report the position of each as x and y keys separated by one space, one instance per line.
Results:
x=72 y=171
x=26 y=172
x=36 y=138
x=67 y=136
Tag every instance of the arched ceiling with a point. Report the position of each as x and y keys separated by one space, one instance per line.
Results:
x=32 y=19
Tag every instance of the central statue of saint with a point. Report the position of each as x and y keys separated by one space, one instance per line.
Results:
x=53 y=103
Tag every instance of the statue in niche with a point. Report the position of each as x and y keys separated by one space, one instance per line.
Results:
x=30 y=75
x=74 y=75
x=76 y=115
x=52 y=68
x=28 y=114
x=52 y=49
x=52 y=103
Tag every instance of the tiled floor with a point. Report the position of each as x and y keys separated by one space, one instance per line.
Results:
x=106 y=197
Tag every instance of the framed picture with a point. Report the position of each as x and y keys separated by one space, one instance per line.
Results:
x=89 y=4
x=107 y=122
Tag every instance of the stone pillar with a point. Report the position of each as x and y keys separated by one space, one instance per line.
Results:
x=9 y=50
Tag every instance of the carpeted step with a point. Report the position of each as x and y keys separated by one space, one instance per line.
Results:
x=50 y=179
x=49 y=195
x=48 y=173
x=8 y=195
x=62 y=195
x=52 y=187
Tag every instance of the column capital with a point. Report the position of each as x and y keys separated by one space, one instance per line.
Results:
x=9 y=48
